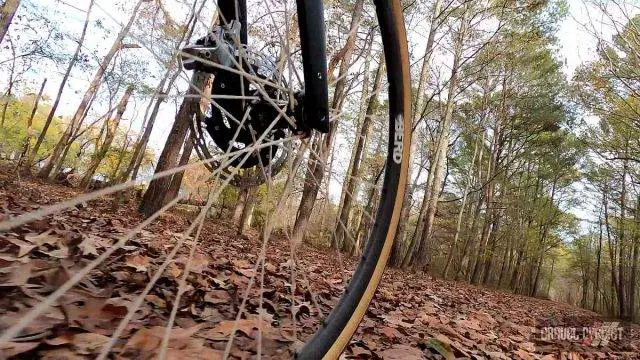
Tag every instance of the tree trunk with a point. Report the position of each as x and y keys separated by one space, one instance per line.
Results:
x=341 y=225
x=27 y=140
x=596 y=286
x=352 y=177
x=400 y=245
x=534 y=286
x=553 y=264
x=489 y=221
x=12 y=80
x=82 y=109
x=397 y=254
x=176 y=179
x=621 y=241
x=426 y=63
x=506 y=263
x=454 y=243
x=242 y=199
x=153 y=198
x=366 y=222
x=63 y=83
x=76 y=132
x=133 y=167
x=318 y=157
x=163 y=88
x=414 y=243
x=121 y=154
x=440 y=158
x=634 y=265
x=111 y=129
x=460 y=271
x=7 y=11
x=490 y=259
x=247 y=210
x=612 y=250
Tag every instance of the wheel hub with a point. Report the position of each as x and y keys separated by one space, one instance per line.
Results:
x=241 y=115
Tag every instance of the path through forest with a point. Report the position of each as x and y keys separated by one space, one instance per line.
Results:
x=412 y=315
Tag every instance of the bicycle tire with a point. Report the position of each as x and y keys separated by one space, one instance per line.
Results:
x=340 y=325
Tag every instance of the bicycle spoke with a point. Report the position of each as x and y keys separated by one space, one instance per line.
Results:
x=46 y=303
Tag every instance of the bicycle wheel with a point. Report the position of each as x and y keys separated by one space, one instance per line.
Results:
x=338 y=328
x=254 y=80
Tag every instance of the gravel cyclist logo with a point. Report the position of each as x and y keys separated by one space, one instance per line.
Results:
x=598 y=335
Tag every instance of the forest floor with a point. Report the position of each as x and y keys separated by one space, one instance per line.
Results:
x=412 y=316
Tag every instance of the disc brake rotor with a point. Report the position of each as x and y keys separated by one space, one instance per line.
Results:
x=242 y=115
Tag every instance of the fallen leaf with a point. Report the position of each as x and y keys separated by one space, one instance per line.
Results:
x=62 y=252
x=429 y=320
x=246 y=272
x=156 y=300
x=149 y=339
x=174 y=270
x=88 y=246
x=60 y=354
x=203 y=353
x=138 y=262
x=270 y=268
x=390 y=333
x=60 y=340
x=523 y=355
x=10 y=349
x=89 y=343
x=401 y=352
x=198 y=263
x=23 y=247
x=393 y=320
x=224 y=329
x=20 y=274
x=44 y=238
x=217 y=297
x=469 y=324
x=241 y=263
x=358 y=351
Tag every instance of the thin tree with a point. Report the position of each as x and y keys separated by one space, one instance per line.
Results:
x=437 y=170
x=29 y=163
x=176 y=179
x=323 y=145
x=89 y=94
x=7 y=11
x=110 y=132
x=154 y=197
x=352 y=178
x=164 y=87
x=436 y=20
x=27 y=139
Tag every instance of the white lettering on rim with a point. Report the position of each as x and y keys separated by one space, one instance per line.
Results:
x=398 y=140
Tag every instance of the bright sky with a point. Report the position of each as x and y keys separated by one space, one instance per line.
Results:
x=575 y=47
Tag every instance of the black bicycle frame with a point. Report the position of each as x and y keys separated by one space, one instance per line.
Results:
x=314 y=62
x=314 y=58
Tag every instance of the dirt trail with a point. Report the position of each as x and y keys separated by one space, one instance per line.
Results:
x=412 y=316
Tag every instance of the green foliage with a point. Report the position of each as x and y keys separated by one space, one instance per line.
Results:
x=14 y=131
